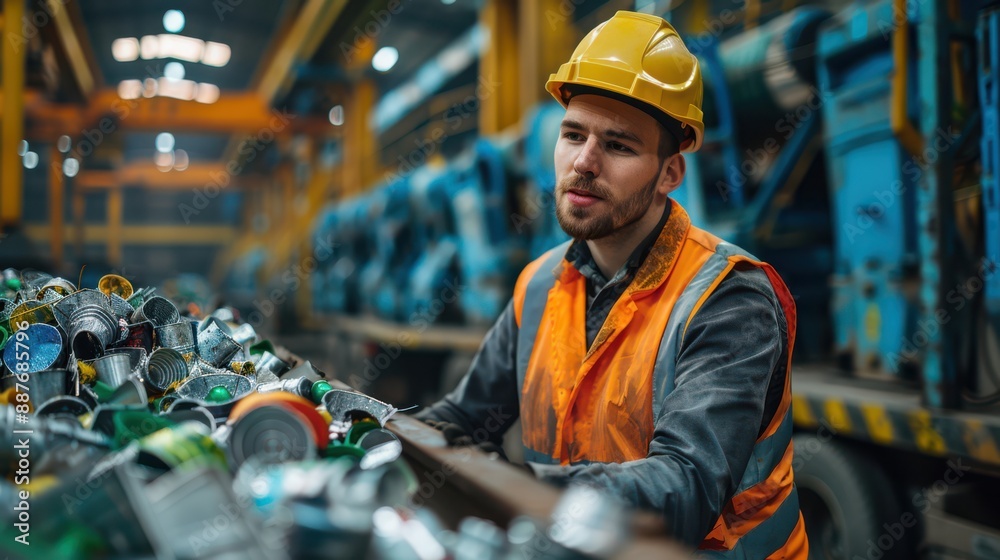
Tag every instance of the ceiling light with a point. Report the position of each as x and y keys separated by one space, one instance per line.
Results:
x=188 y=49
x=30 y=160
x=173 y=71
x=181 y=160
x=64 y=143
x=22 y=148
x=71 y=167
x=173 y=21
x=337 y=115
x=164 y=161
x=178 y=89
x=130 y=89
x=184 y=48
x=164 y=142
x=447 y=2
x=125 y=49
x=207 y=93
x=216 y=54
x=385 y=59
x=149 y=47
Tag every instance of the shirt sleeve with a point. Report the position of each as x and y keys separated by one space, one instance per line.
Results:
x=485 y=403
x=708 y=425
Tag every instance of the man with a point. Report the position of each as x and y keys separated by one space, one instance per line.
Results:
x=646 y=356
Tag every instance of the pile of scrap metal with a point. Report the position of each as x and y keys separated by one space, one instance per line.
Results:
x=130 y=429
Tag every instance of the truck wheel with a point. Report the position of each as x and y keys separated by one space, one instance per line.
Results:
x=847 y=501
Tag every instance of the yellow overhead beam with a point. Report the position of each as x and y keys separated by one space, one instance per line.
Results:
x=148 y=176
x=298 y=44
x=234 y=112
x=75 y=47
x=546 y=40
x=12 y=127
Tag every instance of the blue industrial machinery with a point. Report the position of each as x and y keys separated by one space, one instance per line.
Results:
x=758 y=179
x=873 y=183
x=989 y=99
x=488 y=255
x=388 y=268
x=324 y=233
x=343 y=278
x=437 y=264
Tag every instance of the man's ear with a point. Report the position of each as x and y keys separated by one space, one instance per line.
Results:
x=671 y=174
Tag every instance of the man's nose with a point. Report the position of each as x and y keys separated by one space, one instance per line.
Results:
x=587 y=162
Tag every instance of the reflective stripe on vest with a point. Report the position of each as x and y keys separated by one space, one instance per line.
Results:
x=536 y=295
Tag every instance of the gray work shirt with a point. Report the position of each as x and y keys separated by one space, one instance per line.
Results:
x=730 y=375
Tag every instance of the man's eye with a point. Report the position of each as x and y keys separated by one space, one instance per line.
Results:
x=573 y=136
x=619 y=147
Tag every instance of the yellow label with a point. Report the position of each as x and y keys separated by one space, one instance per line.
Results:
x=873 y=323
x=836 y=415
x=877 y=420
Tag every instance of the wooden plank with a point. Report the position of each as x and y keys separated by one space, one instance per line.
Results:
x=466 y=481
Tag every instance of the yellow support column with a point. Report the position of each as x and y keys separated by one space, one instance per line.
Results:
x=360 y=150
x=499 y=106
x=56 y=192
x=547 y=39
x=114 y=241
x=11 y=174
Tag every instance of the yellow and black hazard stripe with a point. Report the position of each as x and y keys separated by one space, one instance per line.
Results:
x=900 y=425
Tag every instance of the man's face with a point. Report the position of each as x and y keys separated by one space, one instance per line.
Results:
x=607 y=166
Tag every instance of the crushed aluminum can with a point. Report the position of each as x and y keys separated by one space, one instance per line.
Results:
x=299 y=386
x=180 y=336
x=136 y=358
x=120 y=307
x=268 y=363
x=113 y=369
x=166 y=367
x=158 y=311
x=348 y=405
x=215 y=346
x=87 y=319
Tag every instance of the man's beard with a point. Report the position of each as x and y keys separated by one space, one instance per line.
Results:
x=581 y=223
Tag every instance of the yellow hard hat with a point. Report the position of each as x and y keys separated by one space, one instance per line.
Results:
x=638 y=58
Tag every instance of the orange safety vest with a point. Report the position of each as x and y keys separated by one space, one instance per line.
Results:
x=599 y=405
